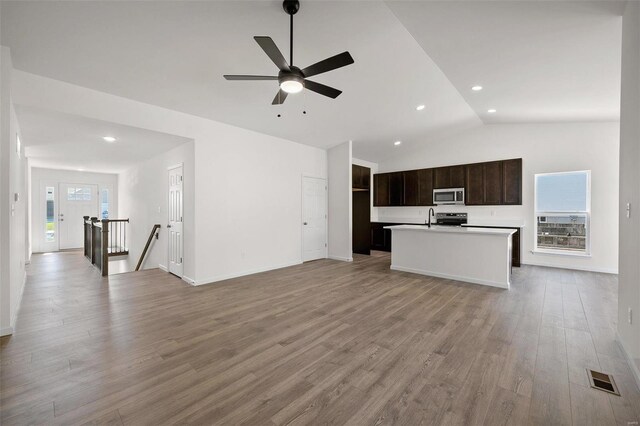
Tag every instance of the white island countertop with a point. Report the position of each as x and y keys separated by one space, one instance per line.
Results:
x=454 y=229
x=475 y=255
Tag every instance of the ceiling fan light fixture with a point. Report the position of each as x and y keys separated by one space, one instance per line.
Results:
x=292 y=86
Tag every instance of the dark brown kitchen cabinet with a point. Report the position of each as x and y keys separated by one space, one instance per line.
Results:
x=484 y=184
x=490 y=183
x=474 y=191
x=381 y=190
x=396 y=189
x=425 y=187
x=512 y=181
x=441 y=177
x=380 y=237
x=493 y=183
x=360 y=177
x=411 y=188
x=449 y=177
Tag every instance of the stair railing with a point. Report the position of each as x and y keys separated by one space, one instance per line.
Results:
x=155 y=228
x=104 y=238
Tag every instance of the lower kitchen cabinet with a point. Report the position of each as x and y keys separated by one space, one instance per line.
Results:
x=380 y=237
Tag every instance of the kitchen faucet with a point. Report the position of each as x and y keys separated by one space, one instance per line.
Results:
x=431 y=212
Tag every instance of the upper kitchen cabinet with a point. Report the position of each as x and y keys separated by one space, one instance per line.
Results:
x=411 y=188
x=490 y=183
x=474 y=190
x=449 y=177
x=381 y=190
x=493 y=183
x=425 y=187
x=361 y=177
x=396 y=189
x=512 y=181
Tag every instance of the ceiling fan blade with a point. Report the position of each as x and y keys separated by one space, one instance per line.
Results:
x=329 y=64
x=250 y=77
x=322 y=89
x=280 y=97
x=272 y=52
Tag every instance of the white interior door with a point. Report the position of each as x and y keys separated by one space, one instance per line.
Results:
x=76 y=200
x=175 y=221
x=314 y=218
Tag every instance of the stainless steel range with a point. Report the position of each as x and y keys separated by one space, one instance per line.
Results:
x=451 y=219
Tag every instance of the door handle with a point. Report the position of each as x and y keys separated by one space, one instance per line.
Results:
x=304 y=223
x=168 y=226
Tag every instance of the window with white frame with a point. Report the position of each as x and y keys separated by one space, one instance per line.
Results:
x=562 y=209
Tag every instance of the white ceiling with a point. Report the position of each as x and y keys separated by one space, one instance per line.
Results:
x=538 y=61
x=63 y=141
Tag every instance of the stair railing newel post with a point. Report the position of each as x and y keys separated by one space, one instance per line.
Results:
x=86 y=227
x=105 y=247
x=94 y=241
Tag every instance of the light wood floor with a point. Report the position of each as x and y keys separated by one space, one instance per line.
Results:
x=321 y=343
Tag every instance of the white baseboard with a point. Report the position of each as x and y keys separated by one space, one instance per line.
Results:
x=343 y=259
x=574 y=268
x=450 y=277
x=7 y=331
x=630 y=361
x=188 y=280
x=244 y=273
x=164 y=268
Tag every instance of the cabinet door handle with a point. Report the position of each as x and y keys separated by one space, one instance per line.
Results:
x=304 y=223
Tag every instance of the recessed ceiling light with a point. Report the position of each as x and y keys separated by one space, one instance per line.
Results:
x=396 y=143
x=476 y=88
x=109 y=139
x=420 y=107
x=491 y=111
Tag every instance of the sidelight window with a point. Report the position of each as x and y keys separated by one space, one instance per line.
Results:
x=562 y=212
x=50 y=224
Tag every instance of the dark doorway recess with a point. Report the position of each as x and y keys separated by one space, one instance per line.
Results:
x=361 y=193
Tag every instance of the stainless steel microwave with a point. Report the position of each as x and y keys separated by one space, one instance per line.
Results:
x=448 y=196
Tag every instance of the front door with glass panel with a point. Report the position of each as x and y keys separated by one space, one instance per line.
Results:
x=75 y=201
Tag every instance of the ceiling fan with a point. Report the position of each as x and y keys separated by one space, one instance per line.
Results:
x=291 y=78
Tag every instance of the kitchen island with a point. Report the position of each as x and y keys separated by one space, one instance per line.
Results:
x=475 y=255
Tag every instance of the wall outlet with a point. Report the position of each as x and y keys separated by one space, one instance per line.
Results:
x=630 y=315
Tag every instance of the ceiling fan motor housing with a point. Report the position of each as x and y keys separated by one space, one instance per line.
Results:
x=291 y=6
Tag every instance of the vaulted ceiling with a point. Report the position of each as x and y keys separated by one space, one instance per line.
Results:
x=537 y=61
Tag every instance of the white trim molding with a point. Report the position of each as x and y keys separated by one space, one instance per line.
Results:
x=188 y=280
x=632 y=365
x=7 y=331
x=574 y=268
x=340 y=258
x=451 y=277
x=164 y=268
x=217 y=278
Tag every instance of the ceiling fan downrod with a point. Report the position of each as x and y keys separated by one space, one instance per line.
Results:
x=291 y=7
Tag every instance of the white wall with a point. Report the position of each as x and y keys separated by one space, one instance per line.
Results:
x=41 y=176
x=340 y=202
x=143 y=198
x=13 y=214
x=248 y=185
x=544 y=148
x=629 y=278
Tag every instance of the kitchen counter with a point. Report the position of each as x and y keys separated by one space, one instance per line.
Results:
x=475 y=255
x=453 y=229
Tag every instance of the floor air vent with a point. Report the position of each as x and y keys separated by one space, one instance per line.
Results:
x=603 y=382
